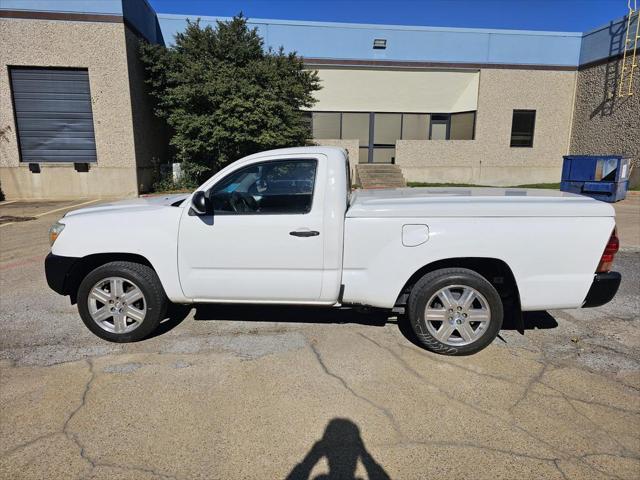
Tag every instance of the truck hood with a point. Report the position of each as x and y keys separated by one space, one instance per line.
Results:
x=135 y=204
x=474 y=202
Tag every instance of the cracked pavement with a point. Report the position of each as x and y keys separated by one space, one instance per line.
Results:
x=252 y=392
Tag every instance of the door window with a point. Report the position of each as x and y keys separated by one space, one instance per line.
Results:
x=275 y=187
x=439 y=127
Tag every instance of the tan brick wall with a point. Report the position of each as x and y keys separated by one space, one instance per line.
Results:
x=99 y=47
x=350 y=145
x=489 y=160
x=604 y=123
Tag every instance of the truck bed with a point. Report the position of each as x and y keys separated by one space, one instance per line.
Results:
x=473 y=202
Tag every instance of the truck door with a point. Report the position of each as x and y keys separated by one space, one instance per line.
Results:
x=264 y=241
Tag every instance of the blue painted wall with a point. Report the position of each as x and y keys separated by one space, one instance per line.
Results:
x=106 y=7
x=143 y=17
x=427 y=44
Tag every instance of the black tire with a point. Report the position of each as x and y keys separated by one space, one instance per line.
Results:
x=434 y=281
x=147 y=281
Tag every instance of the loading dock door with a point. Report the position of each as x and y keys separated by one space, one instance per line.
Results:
x=53 y=114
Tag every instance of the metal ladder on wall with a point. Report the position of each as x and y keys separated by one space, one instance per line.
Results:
x=630 y=59
x=617 y=33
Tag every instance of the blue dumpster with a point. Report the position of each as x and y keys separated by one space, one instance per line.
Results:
x=603 y=177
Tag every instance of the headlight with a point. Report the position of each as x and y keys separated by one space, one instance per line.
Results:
x=55 y=231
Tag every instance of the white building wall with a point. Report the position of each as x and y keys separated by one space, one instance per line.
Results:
x=400 y=90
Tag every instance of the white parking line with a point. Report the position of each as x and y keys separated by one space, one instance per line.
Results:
x=7 y=202
x=56 y=210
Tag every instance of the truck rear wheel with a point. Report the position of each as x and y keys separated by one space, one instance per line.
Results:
x=455 y=311
x=122 y=301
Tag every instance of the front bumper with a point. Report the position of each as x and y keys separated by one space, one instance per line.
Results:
x=57 y=270
x=603 y=289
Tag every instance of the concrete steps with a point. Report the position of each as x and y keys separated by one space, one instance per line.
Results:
x=379 y=175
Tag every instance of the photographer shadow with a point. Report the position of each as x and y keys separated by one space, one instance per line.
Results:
x=342 y=446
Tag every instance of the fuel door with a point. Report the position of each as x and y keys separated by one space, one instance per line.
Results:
x=414 y=235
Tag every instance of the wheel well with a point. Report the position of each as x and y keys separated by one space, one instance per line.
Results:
x=494 y=270
x=86 y=264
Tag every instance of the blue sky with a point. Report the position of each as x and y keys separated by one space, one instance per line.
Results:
x=556 y=15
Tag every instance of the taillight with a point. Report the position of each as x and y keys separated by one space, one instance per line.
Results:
x=609 y=253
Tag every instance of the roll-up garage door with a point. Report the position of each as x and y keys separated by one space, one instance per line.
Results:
x=53 y=114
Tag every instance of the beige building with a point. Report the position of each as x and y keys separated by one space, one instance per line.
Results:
x=450 y=126
x=446 y=105
x=54 y=71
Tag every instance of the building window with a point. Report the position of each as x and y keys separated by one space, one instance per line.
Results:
x=377 y=133
x=387 y=128
x=54 y=120
x=462 y=126
x=356 y=126
x=326 y=125
x=415 y=126
x=522 y=127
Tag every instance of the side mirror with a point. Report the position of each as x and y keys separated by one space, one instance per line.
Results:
x=201 y=204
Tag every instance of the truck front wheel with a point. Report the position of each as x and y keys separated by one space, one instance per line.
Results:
x=455 y=311
x=122 y=301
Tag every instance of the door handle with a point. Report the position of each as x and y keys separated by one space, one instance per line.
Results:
x=304 y=233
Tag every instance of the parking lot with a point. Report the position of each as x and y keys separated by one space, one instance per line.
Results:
x=274 y=392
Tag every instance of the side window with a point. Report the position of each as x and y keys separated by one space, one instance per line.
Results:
x=275 y=187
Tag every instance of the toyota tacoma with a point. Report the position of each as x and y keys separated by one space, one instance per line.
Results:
x=285 y=227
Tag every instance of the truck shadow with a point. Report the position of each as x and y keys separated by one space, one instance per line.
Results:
x=323 y=315
x=273 y=313
x=291 y=314
x=540 y=320
x=342 y=446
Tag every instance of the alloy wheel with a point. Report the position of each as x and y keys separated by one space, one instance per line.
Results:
x=117 y=305
x=457 y=315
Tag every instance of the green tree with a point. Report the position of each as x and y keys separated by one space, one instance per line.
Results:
x=225 y=96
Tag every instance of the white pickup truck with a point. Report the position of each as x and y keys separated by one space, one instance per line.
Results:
x=283 y=227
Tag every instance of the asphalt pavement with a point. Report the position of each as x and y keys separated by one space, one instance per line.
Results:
x=273 y=392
